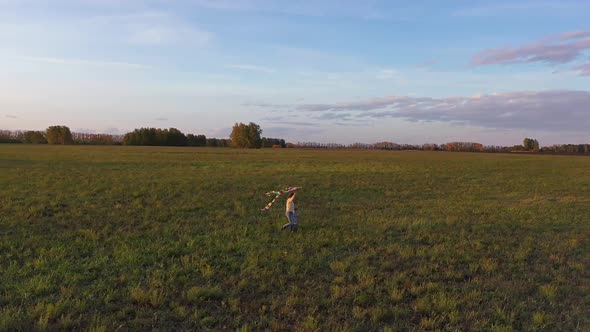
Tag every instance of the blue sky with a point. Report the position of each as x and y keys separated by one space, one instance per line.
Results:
x=327 y=71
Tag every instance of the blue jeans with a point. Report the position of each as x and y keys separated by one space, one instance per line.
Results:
x=292 y=221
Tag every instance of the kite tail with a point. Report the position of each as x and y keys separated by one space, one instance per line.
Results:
x=267 y=207
x=276 y=195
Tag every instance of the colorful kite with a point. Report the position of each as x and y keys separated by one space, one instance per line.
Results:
x=278 y=194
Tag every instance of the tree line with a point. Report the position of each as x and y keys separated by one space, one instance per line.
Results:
x=245 y=136
x=52 y=135
x=58 y=135
x=529 y=145
x=142 y=136
x=452 y=146
x=250 y=136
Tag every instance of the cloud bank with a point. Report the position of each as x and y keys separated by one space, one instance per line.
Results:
x=553 y=50
x=584 y=70
x=538 y=110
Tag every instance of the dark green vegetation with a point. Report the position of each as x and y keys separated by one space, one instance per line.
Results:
x=148 y=237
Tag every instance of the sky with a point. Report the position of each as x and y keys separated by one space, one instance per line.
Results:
x=340 y=71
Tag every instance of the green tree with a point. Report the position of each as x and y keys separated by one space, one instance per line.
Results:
x=8 y=136
x=246 y=136
x=212 y=142
x=530 y=144
x=59 y=135
x=35 y=137
x=254 y=136
x=268 y=142
x=239 y=136
x=196 y=140
x=155 y=137
x=174 y=137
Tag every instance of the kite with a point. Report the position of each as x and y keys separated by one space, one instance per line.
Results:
x=278 y=194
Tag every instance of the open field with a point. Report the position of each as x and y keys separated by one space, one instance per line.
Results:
x=139 y=238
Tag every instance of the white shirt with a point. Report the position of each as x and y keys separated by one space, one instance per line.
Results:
x=291 y=204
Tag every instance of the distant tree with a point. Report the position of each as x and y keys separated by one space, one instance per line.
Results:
x=34 y=137
x=246 y=136
x=237 y=135
x=212 y=142
x=254 y=135
x=59 y=135
x=196 y=140
x=131 y=138
x=156 y=136
x=360 y=146
x=386 y=146
x=463 y=147
x=150 y=137
x=273 y=143
x=5 y=136
x=530 y=144
x=174 y=137
x=429 y=147
x=96 y=139
x=142 y=136
x=315 y=145
x=11 y=136
x=567 y=148
x=201 y=140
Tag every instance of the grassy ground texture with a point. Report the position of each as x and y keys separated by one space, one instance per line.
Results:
x=138 y=238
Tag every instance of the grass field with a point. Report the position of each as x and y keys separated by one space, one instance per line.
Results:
x=141 y=238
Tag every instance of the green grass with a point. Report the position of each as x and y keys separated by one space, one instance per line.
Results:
x=141 y=238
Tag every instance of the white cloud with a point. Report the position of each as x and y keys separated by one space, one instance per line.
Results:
x=83 y=62
x=61 y=32
x=164 y=30
x=249 y=67
x=386 y=74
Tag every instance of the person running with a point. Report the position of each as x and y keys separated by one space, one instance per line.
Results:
x=290 y=213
